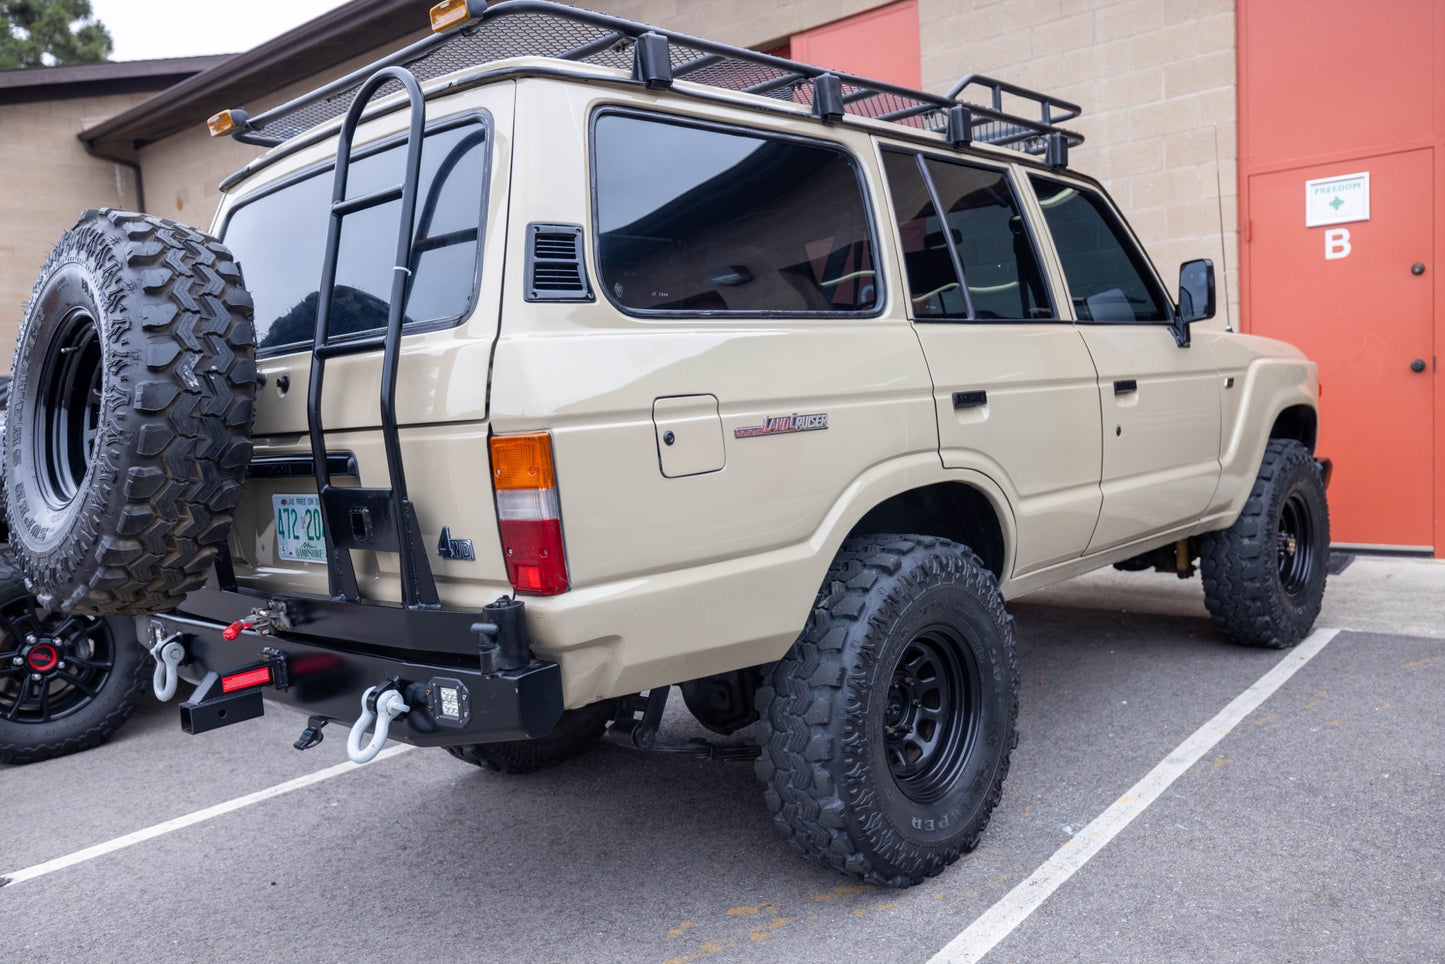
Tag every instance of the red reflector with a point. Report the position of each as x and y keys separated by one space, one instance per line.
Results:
x=535 y=561
x=252 y=677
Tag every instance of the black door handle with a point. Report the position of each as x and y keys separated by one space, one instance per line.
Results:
x=970 y=399
x=1125 y=385
x=1418 y=365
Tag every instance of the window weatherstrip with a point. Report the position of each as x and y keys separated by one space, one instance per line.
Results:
x=947 y=230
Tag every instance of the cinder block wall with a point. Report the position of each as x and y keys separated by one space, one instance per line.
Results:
x=46 y=179
x=1156 y=80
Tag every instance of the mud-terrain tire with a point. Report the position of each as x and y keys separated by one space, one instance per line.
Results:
x=886 y=729
x=1264 y=576
x=128 y=434
x=575 y=733
x=92 y=674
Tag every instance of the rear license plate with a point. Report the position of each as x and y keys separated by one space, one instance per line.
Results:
x=299 y=530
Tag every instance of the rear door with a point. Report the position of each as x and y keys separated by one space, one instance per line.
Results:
x=278 y=232
x=1159 y=402
x=1014 y=388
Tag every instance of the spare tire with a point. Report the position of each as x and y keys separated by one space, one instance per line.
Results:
x=129 y=428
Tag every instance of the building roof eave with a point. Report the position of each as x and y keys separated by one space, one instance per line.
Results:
x=334 y=37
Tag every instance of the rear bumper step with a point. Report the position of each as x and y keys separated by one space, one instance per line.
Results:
x=449 y=704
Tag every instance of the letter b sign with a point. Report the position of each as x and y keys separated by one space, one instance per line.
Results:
x=1337 y=244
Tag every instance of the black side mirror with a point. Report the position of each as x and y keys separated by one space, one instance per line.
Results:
x=1196 y=296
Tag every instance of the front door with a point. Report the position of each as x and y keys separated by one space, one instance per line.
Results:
x=1159 y=402
x=1356 y=296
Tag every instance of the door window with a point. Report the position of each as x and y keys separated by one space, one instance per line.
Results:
x=1108 y=276
x=982 y=235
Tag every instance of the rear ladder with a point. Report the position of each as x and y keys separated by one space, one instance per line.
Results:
x=371 y=519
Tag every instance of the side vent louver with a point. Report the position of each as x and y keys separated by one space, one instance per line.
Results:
x=555 y=269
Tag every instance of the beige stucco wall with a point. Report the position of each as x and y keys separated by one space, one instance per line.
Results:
x=46 y=179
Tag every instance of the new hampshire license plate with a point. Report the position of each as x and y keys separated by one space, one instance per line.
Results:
x=299 y=531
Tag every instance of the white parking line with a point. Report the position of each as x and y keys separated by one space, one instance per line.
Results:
x=190 y=819
x=999 y=921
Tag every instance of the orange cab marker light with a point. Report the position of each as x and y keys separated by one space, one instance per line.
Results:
x=449 y=14
x=221 y=124
x=251 y=677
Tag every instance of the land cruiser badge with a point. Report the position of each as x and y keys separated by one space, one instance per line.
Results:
x=782 y=424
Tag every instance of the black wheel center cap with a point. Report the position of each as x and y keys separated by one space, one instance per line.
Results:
x=43 y=657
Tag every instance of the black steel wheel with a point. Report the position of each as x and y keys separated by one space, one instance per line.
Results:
x=931 y=717
x=128 y=434
x=1264 y=576
x=66 y=681
x=886 y=729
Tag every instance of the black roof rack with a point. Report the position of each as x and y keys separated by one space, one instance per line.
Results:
x=657 y=58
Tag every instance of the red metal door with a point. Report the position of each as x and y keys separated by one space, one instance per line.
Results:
x=1357 y=297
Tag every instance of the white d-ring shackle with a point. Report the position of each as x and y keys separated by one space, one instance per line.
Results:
x=389 y=706
x=168 y=654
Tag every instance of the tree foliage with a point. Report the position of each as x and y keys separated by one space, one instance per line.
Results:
x=35 y=33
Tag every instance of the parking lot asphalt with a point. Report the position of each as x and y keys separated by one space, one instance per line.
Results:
x=1304 y=830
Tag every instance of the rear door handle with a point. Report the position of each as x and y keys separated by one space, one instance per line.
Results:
x=1124 y=386
x=970 y=399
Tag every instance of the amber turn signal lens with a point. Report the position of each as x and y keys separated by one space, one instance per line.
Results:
x=522 y=462
x=220 y=124
x=448 y=14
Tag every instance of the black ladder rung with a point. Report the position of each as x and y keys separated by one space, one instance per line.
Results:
x=353 y=204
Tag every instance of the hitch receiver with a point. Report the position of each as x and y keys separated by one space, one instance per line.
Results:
x=210 y=707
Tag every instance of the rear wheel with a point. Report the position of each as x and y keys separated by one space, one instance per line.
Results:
x=1264 y=576
x=886 y=729
x=575 y=733
x=66 y=682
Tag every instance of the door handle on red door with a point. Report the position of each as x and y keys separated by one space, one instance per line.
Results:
x=1418 y=365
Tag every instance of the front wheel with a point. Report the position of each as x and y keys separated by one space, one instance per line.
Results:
x=1264 y=576
x=886 y=729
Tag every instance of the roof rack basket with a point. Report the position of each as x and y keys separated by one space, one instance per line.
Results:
x=471 y=48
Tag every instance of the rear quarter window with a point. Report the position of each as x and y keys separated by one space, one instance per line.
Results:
x=706 y=220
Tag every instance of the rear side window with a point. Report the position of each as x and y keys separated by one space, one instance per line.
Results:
x=982 y=232
x=1109 y=277
x=279 y=239
x=699 y=219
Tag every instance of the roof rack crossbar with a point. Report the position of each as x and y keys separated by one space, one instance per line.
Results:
x=583 y=51
x=696 y=64
x=787 y=80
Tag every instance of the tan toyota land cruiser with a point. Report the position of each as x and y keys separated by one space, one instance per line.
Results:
x=557 y=360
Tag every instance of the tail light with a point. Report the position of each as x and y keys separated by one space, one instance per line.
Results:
x=529 y=513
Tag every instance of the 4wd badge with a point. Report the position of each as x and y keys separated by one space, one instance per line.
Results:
x=782 y=424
